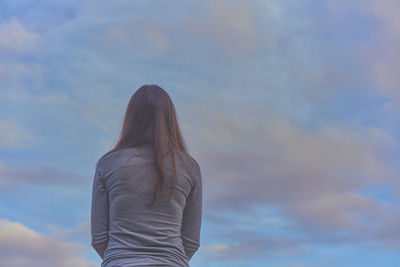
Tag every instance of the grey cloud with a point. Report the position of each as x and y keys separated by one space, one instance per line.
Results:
x=16 y=176
x=261 y=246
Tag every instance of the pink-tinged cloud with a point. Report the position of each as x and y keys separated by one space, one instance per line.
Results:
x=20 y=246
x=381 y=51
x=315 y=176
x=386 y=56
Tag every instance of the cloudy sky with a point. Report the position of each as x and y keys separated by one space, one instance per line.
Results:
x=291 y=108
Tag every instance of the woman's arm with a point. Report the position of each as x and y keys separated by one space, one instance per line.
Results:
x=192 y=216
x=99 y=214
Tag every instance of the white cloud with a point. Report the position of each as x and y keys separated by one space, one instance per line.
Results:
x=231 y=26
x=215 y=248
x=16 y=71
x=15 y=37
x=81 y=231
x=13 y=135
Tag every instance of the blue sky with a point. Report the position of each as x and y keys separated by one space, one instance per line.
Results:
x=290 y=107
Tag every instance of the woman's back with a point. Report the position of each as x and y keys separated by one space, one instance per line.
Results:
x=129 y=232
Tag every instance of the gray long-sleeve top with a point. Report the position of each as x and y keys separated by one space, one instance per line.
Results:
x=124 y=231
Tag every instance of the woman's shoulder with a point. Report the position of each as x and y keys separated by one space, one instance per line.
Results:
x=192 y=164
x=109 y=158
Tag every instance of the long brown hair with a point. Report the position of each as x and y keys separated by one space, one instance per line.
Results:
x=150 y=118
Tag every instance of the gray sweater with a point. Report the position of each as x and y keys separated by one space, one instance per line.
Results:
x=124 y=231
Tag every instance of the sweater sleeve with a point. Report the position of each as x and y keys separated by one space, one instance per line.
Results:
x=99 y=214
x=192 y=216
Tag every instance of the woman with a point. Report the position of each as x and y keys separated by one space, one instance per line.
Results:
x=147 y=191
